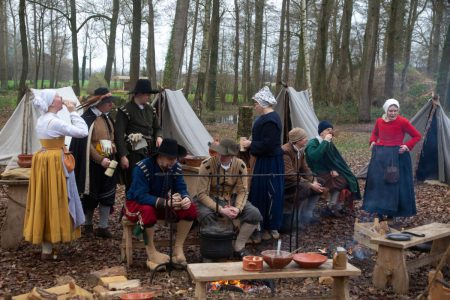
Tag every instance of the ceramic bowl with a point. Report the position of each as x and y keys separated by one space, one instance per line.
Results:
x=276 y=261
x=137 y=296
x=309 y=260
x=252 y=263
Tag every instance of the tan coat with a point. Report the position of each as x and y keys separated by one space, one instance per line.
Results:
x=293 y=165
x=100 y=132
x=207 y=186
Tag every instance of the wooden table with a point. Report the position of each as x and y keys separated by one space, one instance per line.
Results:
x=202 y=273
x=11 y=231
x=391 y=264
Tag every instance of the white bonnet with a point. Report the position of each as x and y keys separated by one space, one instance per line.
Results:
x=264 y=97
x=43 y=99
x=390 y=102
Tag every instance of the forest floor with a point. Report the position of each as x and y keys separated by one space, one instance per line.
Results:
x=21 y=269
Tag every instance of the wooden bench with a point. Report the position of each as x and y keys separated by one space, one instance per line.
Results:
x=202 y=273
x=129 y=241
x=391 y=264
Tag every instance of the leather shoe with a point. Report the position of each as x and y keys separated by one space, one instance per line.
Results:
x=103 y=232
x=88 y=230
x=240 y=254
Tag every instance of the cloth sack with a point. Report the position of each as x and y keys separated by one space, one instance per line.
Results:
x=69 y=160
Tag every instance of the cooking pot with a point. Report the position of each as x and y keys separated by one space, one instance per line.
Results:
x=216 y=245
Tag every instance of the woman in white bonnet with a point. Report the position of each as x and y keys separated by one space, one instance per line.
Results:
x=390 y=191
x=53 y=212
x=267 y=192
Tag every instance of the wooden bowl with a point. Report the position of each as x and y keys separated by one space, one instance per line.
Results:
x=309 y=260
x=24 y=160
x=194 y=161
x=276 y=261
x=137 y=296
x=252 y=263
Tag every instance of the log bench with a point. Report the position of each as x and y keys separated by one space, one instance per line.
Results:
x=202 y=273
x=391 y=265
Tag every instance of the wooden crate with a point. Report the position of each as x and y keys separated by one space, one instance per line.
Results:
x=363 y=233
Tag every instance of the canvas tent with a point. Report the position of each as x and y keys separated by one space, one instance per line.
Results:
x=179 y=121
x=295 y=110
x=431 y=156
x=18 y=135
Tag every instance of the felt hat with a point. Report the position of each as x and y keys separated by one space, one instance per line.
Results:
x=170 y=148
x=324 y=125
x=107 y=96
x=143 y=86
x=296 y=134
x=225 y=147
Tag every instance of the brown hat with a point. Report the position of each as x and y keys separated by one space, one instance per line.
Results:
x=296 y=134
x=225 y=147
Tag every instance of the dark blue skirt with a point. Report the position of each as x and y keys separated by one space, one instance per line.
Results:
x=392 y=199
x=267 y=192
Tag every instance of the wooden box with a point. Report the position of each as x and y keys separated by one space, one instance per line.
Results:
x=364 y=232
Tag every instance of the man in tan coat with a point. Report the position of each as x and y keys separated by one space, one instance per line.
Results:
x=222 y=195
x=301 y=189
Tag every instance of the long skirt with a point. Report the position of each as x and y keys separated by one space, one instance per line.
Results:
x=267 y=192
x=47 y=217
x=392 y=199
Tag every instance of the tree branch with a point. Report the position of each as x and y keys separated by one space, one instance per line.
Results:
x=50 y=7
x=91 y=17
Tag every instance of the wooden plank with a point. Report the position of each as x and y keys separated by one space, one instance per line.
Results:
x=61 y=290
x=121 y=285
x=423 y=261
x=202 y=272
x=432 y=231
x=94 y=276
x=106 y=280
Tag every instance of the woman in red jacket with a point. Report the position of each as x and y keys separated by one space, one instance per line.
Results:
x=389 y=184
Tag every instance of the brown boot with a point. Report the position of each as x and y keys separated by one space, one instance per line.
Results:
x=183 y=228
x=155 y=258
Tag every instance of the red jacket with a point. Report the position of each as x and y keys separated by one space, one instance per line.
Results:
x=392 y=133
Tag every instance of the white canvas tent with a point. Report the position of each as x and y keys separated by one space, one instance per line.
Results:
x=431 y=156
x=295 y=110
x=18 y=134
x=179 y=121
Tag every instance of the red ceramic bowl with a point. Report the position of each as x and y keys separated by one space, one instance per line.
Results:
x=309 y=260
x=276 y=261
x=137 y=296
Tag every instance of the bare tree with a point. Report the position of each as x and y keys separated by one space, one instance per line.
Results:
x=187 y=87
x=368 y=60
x=236 y=54
x=287 y=53
x=24 y=42
x=135 y=52
x=280 y=47
x=259 y=12
x=14 y=45
x=111 y=51
x=3 y=46
x=213 y=58
x=443 y=84
x=435 y=36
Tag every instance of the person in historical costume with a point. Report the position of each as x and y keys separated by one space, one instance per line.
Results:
x=93 y=155
x=324 y=159
x=301 y=189
x=137 y=132
x=393 y=197
x=267 y=192
x=222 y=195
x=158 y=191
x=53 y=212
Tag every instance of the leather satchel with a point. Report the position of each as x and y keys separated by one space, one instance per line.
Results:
x=69 y=160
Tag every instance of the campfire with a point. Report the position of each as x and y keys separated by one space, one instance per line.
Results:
x=242 y=286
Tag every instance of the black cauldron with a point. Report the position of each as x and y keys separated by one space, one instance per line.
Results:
x=216 y=245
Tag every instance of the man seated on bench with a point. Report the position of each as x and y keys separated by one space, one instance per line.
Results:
x=158 y=190
x=222 y=194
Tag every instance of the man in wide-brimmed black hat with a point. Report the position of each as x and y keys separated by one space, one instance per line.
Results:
x=96 y=188
x=158 y=188
x=137 y=132
x=223 y=195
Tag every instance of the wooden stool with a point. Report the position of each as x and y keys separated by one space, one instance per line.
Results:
x=129 y=243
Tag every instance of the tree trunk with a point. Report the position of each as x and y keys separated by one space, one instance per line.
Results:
x=151 y=60
x=111 y=51
x=246 y=75
x=53 y=42
x=212 y=74
x=74 y=32
x=287 y=53
x=3 y=46
x=14 y=69
x=368 y=60
x=135 y=52
x=435 y=37
x=175 y=51
x=204 y=59
x=257 y=46
x=263 y=71
x=23 y=41
x=83 y=62
x=187 y=87
x=42 y=43
x=442 y=86
x=236 y=54
x=319 y=83
x=389 y=76
x=280 y=47
x=37 y=50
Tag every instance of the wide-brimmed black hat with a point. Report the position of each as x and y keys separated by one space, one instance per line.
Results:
x=143 y=86
x=103 y=91
x=225 y=147
x=170 y=148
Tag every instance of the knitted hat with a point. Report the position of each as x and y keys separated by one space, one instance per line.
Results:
x=143 y=86
x=225 y=147
x=296 y=134
x=170 y=148
x=324 y=125
x=264 y=97
x=390 y=102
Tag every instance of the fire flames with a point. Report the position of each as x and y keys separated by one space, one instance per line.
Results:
x=236 y=285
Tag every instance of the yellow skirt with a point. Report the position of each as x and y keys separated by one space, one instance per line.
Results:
x=47 y=217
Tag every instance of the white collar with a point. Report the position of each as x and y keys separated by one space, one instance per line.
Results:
x=96 y=111
x=319 y=138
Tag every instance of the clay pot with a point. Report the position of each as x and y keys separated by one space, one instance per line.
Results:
x=252 y=263
x=24 y=160
x=137 y=296
x=309 y=260
x=276 y=261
